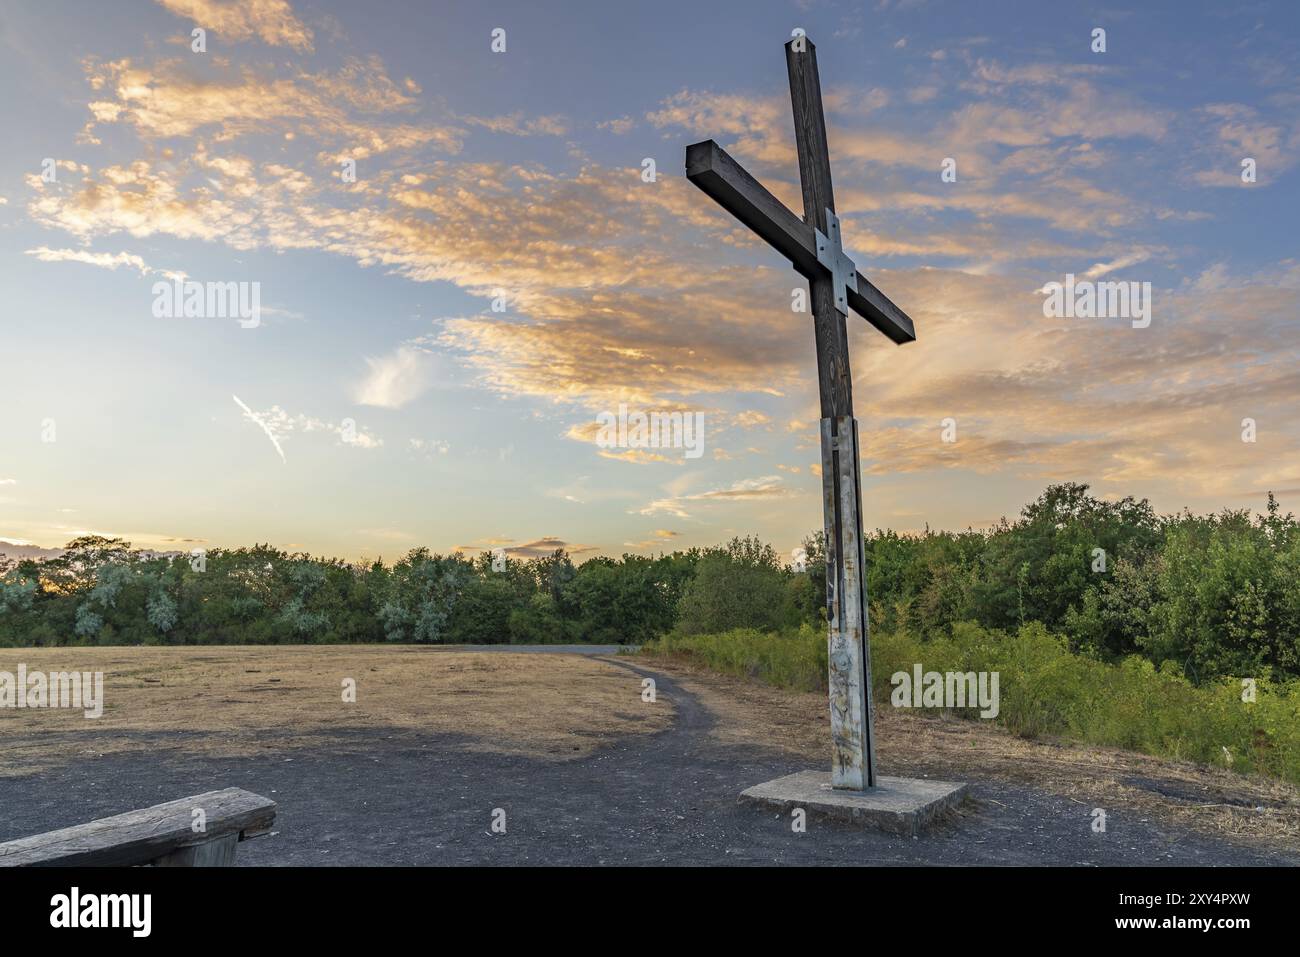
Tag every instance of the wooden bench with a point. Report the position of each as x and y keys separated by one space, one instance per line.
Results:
x=162 y=836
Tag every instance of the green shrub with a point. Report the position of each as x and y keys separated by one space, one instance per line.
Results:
x=1046 y=689
x=794 y=659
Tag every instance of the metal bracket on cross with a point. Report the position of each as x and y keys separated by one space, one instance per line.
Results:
x=830 y=253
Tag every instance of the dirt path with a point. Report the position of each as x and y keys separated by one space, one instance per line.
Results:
x=404 y=796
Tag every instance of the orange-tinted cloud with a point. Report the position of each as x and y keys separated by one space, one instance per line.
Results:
x=271 y=21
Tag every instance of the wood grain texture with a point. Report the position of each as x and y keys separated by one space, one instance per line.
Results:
x=834 y=379
x=879 y=310
x=810 y=133
x=146 y=835
x=216 y=853
x=729 y=185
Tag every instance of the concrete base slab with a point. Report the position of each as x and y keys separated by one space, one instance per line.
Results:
x=899 y=805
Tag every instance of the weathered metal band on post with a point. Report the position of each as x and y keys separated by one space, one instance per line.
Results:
x=848 y=655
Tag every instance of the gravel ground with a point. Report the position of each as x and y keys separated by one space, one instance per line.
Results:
x=385 y=797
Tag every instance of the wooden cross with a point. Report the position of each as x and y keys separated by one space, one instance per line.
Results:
x=813 y=245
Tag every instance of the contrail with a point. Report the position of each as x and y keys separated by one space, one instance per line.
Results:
x=265 y=428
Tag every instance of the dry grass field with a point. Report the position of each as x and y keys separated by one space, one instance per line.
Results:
x=234 y=700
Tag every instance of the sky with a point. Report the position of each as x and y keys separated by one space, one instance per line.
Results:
x=440 y=333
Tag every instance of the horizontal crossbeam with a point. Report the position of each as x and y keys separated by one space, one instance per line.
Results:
x=725 y=181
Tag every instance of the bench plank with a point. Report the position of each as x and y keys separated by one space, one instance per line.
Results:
x=144 y=836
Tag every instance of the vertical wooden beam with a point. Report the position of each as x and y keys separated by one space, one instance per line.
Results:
x=835 y=385
x=852 y=758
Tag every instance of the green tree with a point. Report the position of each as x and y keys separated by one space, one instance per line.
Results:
x=739 y=586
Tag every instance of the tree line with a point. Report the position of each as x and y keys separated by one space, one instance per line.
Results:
x=1212 y=594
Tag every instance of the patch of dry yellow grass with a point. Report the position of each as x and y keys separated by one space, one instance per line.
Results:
x=235 y=700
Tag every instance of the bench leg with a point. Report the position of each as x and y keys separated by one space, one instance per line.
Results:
x=216 y=853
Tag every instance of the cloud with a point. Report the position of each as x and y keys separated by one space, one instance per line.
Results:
x=603 y=310
x=579 y=253
x=1123 y=262
x=638 y=456
x=342 y=108
x=278 y=424
x=1043 y=399
x=751 y=419
x=428 y=446
x=1236 y=131
x=519 y=125
x=618 y=126
x=102 y=260
x=746 y=490
x=543 y=547
x=271 y=21
x=990 y=76
x=265 y=427
x=755 y=127
x=135 y=200
x=659 y=539
x=539 y=548
x=396 y=379
x=601 y=313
